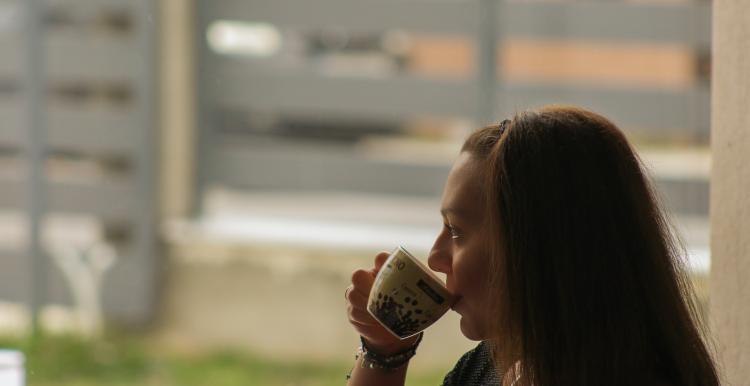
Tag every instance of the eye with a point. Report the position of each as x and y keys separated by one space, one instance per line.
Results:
x=452 y=231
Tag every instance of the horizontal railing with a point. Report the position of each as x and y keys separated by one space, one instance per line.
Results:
x=112 y=201
x=73 y=56
x=300 y=167
x=242 y=85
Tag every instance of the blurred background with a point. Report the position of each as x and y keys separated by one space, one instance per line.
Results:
x=186 y=186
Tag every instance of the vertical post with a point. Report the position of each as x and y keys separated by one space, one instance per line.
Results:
x=203 y=123
x=487 y=58
x=35 y=90
x=146 y=173
x=129 y=293
x=177 y=100
x=730 y=184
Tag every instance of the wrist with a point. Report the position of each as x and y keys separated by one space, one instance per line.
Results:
x=389 y=360
x=394 y=347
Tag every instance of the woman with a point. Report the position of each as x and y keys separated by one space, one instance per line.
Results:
x=566 y=269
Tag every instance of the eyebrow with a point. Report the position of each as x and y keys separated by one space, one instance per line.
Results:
x=455 y=212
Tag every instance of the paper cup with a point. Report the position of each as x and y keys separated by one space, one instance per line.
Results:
x=407 y=297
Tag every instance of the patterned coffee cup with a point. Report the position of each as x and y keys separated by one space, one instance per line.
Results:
x=407 y=297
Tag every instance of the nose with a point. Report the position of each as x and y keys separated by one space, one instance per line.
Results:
x=440 y=258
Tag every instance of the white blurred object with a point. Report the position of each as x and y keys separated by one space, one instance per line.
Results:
x=84 y=267
x=242 y=38
x=12 y=368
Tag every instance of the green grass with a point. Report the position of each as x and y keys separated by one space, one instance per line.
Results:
x=67 y=360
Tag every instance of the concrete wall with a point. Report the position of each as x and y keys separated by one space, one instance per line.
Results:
x=730 y=189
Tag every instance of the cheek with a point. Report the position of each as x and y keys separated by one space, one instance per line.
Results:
x=470 y=274
x=470 y=280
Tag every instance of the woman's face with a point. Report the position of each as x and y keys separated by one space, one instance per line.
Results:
x=460 y=248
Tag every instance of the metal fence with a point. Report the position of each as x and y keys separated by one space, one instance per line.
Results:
x=77 y=114
x=229 y=155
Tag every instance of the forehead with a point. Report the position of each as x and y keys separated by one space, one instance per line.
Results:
x=462 y=191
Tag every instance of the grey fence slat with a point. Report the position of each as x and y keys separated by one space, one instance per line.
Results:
x=687 y=23
x=438 y=16
x=238 y=84
x=300 y=168
x=111 y=132
x=93 y=5
x=74 y=56
x=11 y=193
x=108 y=200
x=11 y=120
x=112 y=201
x=10 y=64
x=106 y=58
x=85 y=8
x=96 y=131
x=92 y=9
x=14 y=269
x=656 y=109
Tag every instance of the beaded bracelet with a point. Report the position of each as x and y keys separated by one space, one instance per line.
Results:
x=373 y=360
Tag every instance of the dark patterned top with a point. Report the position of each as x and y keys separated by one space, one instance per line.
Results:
x=475 y=368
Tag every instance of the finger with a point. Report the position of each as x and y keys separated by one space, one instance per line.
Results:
x=368 y=330
x=365 y=329
x=380 y=260
x=362 y=316
x=357 y=298
x=362 y=280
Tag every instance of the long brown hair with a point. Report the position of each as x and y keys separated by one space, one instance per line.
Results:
x=588 y=277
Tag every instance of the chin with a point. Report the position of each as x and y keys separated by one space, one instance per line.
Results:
x=470 y=330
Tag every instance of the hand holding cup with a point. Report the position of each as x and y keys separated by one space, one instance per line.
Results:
x=377 y=336
x=390 y=304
